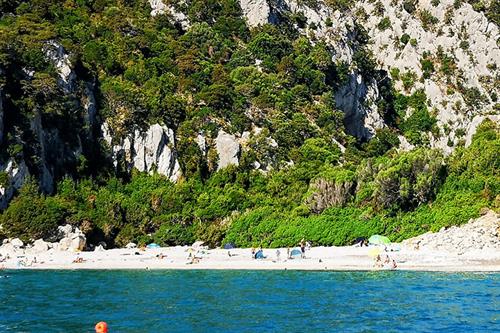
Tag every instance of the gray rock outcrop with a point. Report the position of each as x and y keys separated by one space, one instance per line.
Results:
x=357 y=100
x=16 y=174
x=40 y=246
x=357 y=97
x=150 y=151
x=228 y=149
x=158 y=7
x=474 y=124
x=16 y=242
x=328 y=194
x=56 y=54
x=256 y=12
x=72 y=239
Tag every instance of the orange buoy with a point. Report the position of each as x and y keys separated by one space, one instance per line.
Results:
x=101 y=327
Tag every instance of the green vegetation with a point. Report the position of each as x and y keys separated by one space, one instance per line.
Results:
x=396 y=194
x=405 y=38
x=427 y=65
x=415 y=119
x=427 y=19
x=218 y=74
x=384 y=24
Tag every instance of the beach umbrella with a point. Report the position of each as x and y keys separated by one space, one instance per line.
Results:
x=374 y=251
x=229 y=246
x=153 y=246
x=379 y=240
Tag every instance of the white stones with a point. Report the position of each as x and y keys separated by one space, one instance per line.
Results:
x=17 y=175
x=159 y=8
x=64 y=231
x=404 y=145
x=150 y=151
x=55 y=52
x=17 y=243
x=78 y=243
x=256 y=12
x=477 y=234
x=338 y=144
x=71 y=239
x=202 y=143
x=228 y=149
x=40 y=246
x=99 y=248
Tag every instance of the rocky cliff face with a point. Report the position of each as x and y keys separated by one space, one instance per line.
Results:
x=461 y=46
x=55 y=148
x=358 y=96
x=149 y=151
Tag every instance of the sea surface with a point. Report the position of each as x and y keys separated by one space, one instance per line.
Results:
x=249 y=301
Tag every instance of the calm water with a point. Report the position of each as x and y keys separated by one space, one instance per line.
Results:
x=240 y=301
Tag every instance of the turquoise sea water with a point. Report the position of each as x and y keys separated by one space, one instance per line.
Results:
x=249 y=301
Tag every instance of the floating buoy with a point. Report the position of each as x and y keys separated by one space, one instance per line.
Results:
x=101 y=327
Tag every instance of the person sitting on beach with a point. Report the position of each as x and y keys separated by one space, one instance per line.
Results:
x=253 y=253
x=194 y=260
x=78 y=260
x=308 y=245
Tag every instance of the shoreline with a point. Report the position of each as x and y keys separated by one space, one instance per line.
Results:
x=317 y=259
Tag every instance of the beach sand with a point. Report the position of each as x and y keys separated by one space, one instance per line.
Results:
x=317 y=258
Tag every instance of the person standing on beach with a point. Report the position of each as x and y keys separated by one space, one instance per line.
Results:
x=303 y=248
x=278 y=255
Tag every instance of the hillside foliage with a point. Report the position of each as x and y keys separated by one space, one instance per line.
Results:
x=220 y=74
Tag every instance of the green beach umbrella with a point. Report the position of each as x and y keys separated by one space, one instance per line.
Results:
x=377 y=239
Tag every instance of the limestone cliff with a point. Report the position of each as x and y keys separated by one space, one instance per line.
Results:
x=404 y=39
x=149 y=151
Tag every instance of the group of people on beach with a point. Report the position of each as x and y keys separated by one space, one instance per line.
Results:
x=259 y=254
x=386 y=262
